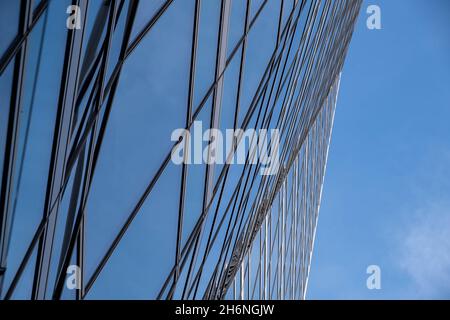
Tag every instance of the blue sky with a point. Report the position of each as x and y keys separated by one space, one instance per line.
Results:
x=386 y=197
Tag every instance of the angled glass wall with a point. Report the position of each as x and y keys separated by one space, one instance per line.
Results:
x=92 y=203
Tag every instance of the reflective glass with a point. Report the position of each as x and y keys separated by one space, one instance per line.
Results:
x=208 y=36
x=150 y=102
x=9 y=23
x=146 y=253
x=28 y=210
x=261 y=44
x=94 y=26
x=228 y=106
x=195 y=180
x=237 y=24
x=139 y=113
x=24 y=286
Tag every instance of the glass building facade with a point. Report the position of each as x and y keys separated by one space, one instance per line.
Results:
x=92 y=206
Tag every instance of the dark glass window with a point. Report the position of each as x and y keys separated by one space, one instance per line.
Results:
x=9 y=23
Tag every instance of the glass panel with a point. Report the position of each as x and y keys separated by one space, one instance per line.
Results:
x=207 y=48
x=261 y=43
x=256 y=5
x=36 y=3
x=9 y=23
x=178 y=293
x=116 y=43
x=201 y=249
x=95 y=30
x=254 y=259
x=288 y=6
x=228 y=107
x=195 y=181
x=31 y=183
x=150 y=102
x=68 y=210
x=237 y=24
x=145 y=12
x=143 y=259
x=24 y=287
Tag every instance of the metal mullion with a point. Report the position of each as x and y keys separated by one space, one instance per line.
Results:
x=63 y=127
x=244 y=192
x=275 y=77
x=269 y=78
x=280 y=18
x=114 y=80
x=312 y=119
x=189 y=244
x=241 y=65
x=80 y=241
x=108 y=89
x=291 y=126
x=211 y=239
x=310 y=63
x=228 y=236
x=310 y=24
x=228 y=61
x=184 y=170
x=240 y=211
x=261 y=264
x=78 y=228
x=215 y=118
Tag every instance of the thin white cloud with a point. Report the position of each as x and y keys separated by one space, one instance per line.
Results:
x=425 y=252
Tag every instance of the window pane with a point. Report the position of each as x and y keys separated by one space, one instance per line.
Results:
x=9 y=23
x=150 y=102
x=261 y=43
x=30 y=188
x=24 y=287
x=206 y=48
x=145 y=12
x=143 y=259
x=237 y=24
x=195 y=181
